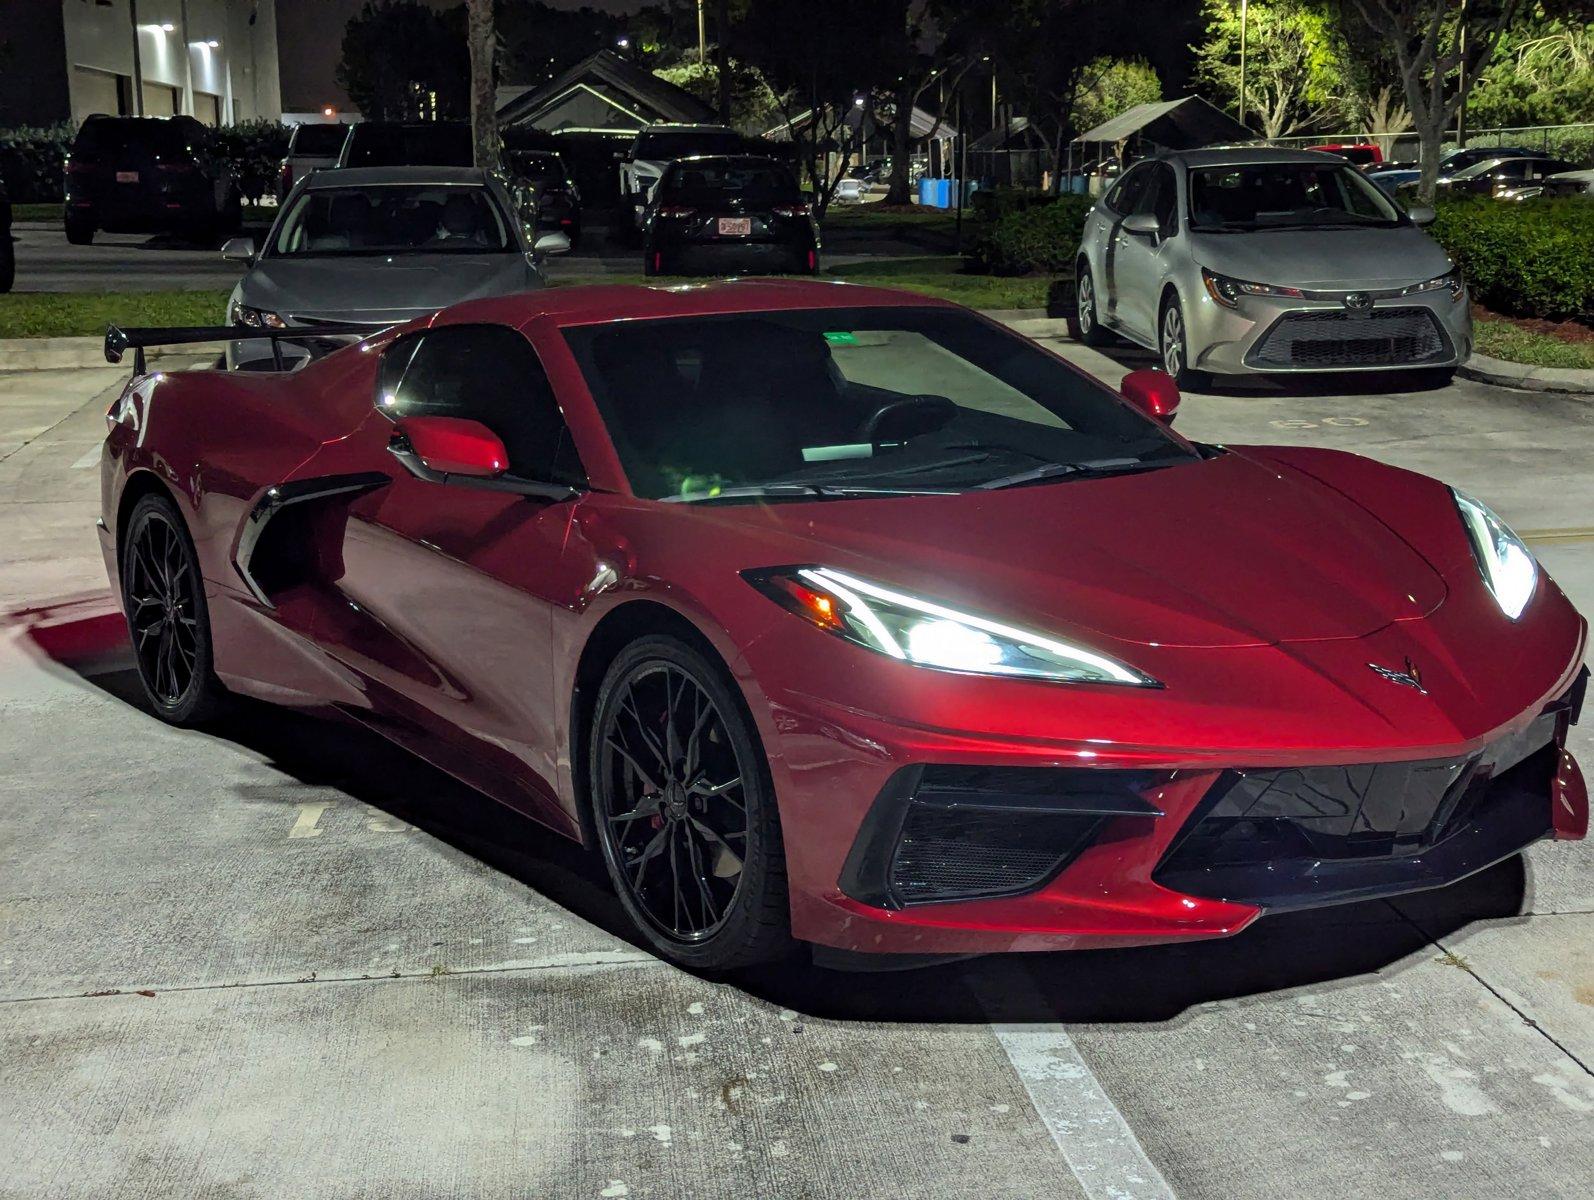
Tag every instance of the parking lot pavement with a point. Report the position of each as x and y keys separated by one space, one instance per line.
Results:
x=284 y=959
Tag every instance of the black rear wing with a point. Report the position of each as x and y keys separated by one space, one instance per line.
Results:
x=118 y=340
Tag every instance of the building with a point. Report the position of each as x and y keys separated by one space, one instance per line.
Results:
x=605 y=93
x=61 y=60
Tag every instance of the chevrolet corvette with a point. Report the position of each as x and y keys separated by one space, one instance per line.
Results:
x=841 y=616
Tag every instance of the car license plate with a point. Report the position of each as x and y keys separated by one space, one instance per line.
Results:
x=127 y=177
x=735 y=226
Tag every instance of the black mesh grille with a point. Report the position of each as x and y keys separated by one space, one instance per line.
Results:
x=944 y=854
x=1382 y=337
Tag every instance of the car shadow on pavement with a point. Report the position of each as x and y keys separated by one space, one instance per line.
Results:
x=1314 y=949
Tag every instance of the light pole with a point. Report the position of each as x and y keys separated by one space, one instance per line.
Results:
x=138 y=64
x=1244 y=14
x=702 y=36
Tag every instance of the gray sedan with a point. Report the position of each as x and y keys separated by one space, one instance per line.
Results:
x=378 y=247
x=1264 y=261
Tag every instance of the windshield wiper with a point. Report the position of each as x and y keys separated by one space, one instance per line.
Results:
x=798 y=491
x=1099 y=466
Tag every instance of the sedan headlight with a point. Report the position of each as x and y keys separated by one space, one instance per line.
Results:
x=1450 y=282
x=1227 y=292
x=256 y=318
x=1507 y=565
x=927 y=634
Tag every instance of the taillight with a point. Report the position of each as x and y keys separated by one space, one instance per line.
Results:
x=76 y=166
x=790 y=210
x=676 y=212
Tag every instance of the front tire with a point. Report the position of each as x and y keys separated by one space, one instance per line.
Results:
x=79 y=232
x=168 y=621
x=1086 y=322
x=1173 y=346
x=684 y=809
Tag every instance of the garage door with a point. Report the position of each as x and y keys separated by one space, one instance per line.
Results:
x=207 y=108
x=159 y=100
x=95 y=92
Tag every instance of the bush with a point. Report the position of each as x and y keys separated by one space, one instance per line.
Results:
x=1040 y=237
x=32 y=161
x=1529 y=259
x=992 y=204
x=253 y=151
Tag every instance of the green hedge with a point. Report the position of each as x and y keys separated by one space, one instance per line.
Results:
x=1036 y=237
x=1528 y=259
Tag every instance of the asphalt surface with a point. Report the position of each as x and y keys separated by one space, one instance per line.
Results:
x=284 y=959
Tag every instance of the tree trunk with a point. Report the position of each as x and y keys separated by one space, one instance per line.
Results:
x=901 y=145
x=483 y=101
x=1430 y=139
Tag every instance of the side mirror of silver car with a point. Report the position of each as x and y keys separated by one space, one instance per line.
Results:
x=1421 y=214
x=551 y=243
x=1142 y=224
x=239 y=249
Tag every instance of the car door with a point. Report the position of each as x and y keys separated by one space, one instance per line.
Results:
x=448 y=587
x=1139 y=257
x=1116 y=205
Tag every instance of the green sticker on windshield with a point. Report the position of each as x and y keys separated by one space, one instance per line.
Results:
x=838 y=337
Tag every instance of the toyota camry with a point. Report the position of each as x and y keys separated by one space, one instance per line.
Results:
x=841 y=616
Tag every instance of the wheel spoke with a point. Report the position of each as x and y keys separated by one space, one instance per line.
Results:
x=649 y=853
x=648 y=781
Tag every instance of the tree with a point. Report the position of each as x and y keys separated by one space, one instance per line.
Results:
x=1294 y=73
x=932 y=43
x=483 y=41
x=403 y=61
x=753 y=107
x=537 y=42
x=1542 y=73
x=1114 y=85
x=1439 y=48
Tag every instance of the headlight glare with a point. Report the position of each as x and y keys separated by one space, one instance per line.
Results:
x=1507 y=565
x=1227 y=291
x=256 y=318
x=1450 y=282
x=928 y=634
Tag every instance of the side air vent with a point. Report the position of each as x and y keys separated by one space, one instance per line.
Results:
x=293 y=533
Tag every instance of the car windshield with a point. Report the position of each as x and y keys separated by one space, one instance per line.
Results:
x=322 y=141
x=538 y=168
x=658 y=146
x=1290 y=195
x=703 y=180
x=1478 y=168
x=393 y=219
x=812 y=403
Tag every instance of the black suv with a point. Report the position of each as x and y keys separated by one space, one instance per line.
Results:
x=415 y=144
x=148 y=175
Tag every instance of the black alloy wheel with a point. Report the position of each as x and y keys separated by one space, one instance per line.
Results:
x=684 y=809
x=167 y=619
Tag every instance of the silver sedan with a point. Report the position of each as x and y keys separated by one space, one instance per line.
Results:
x=1261 y=261
x=379 y=246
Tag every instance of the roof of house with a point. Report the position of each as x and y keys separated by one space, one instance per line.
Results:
x=630 y=90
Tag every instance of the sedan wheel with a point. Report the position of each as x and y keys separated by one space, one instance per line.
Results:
x=684 y=809
x=1174 y=348
x=1087 y=326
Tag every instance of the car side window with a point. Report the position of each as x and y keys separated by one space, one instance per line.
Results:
x=1126 y=193
x=1160 y=198
x=486 y=373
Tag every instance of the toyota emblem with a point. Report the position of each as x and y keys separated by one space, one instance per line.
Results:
x=1358 y=301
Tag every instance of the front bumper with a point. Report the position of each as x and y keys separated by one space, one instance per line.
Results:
x=1276 y=335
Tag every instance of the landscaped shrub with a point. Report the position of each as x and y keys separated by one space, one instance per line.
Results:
x=1042 y=237
x=254 y=150
x=1529 y=259
x=31 y=162
x=992 y=204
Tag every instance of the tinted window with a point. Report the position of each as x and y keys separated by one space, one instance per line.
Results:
x=748 y=179
x=162 y=136
x=322 y=141
x=686 y=144
x=440 y=145
x=1126 y=194
x=483 y=373
x=861 y=397
x=538 y=168
x=1285 y=195
x=1160 y=197
x=393 y=219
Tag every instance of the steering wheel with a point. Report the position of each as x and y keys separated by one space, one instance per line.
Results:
x=907 y=417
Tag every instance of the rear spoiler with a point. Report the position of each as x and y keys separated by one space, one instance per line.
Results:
x=118 y=340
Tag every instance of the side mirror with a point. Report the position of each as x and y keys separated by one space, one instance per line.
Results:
x=551 y=243
x=449 y=446
x=1153 y=393
x=239 y=249
x=1142 y=225
x=1421 y=214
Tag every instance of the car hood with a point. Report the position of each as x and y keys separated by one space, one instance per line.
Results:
x=1224 y=552
x=361 y=288
x=1324 y=258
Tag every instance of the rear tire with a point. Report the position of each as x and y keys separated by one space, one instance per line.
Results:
x=79 y=232
x=684 y=809
x=1173 y=347
x=1085 y=324
x=8 y=261
x=163 y=597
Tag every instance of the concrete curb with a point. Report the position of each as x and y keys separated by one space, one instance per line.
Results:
x=76 y=353
x=1483 y=369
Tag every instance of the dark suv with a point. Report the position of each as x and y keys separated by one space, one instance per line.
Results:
x=148 y=175
x=413 y=144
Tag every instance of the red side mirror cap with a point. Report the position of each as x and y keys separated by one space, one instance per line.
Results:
x=1153 y=393
x=454 y=446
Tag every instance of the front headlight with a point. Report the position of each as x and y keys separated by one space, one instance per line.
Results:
x=1507 y=565
x=1227 y=292
x=256 y=318
x=927 y=634
x=1450 y=282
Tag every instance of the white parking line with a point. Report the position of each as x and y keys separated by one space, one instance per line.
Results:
x=89 y=459
x=1096 y=1141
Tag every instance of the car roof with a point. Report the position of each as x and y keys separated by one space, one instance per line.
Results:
x=677 y=127
x=1233 y=156
x=746 y=159
x=346 y=177
x=601 y=303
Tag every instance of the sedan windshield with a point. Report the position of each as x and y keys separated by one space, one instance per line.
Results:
x=811 y=404
x=1291 y=195
x=393 y=219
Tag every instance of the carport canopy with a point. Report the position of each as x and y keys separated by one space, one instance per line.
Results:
x=1183 y=124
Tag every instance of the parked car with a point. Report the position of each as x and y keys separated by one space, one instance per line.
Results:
x=850 y=190
x=8 y=249
x=1453 y=162
x=727 y=215
x=148 y=175
x=547 y=188
x=655 y=147
x=850 y=616
x=1497 y=176
x=411 y=144
x=1361 y=153
x=310 y=148
x=377 y=246
x=1569 y=183
x=1240 y=261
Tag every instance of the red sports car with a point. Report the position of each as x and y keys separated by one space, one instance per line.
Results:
x=846 y=616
